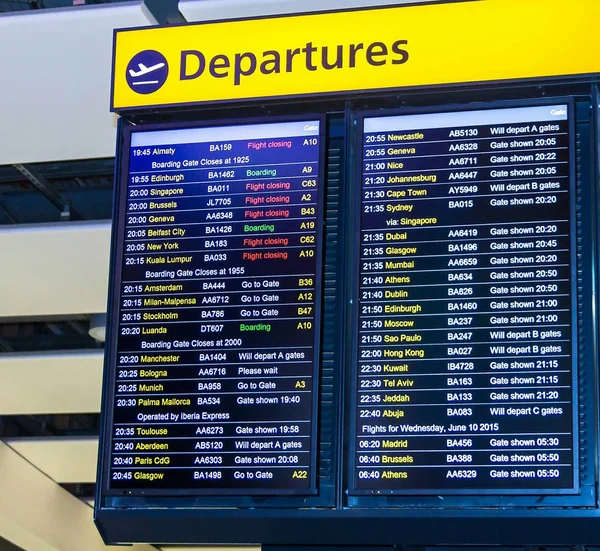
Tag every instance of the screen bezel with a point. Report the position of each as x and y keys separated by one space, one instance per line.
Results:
x=451 y=497
x=242 y=497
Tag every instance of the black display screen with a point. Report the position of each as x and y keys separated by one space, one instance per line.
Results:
x=215 y=369
x=464 y=374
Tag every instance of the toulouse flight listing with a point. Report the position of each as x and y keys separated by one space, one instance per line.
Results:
x=215 y=376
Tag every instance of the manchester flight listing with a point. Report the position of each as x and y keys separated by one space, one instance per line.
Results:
x=216 y=365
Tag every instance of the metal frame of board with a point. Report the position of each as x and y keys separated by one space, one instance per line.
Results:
x=197 y=497
x=484 y=497
x=433 y=519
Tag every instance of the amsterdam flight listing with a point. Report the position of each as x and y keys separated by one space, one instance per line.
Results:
x=464 y=374
x=217 y=354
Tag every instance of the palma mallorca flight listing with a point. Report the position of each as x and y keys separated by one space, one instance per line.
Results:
x=217 y=355
x=464 y=372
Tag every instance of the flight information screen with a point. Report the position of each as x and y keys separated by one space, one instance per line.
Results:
x=215 y=377
x=464 y=374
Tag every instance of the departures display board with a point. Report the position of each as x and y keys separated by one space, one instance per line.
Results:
x=464 y=377
x=216 y=362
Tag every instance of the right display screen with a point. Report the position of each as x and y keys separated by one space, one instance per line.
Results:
x=464 y=373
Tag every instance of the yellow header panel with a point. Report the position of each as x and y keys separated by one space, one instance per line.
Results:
x=483 y=40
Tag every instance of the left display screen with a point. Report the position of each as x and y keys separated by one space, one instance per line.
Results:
x=215 y=338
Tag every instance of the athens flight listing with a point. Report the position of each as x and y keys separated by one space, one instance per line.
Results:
x=216 y=364
x=464 y=374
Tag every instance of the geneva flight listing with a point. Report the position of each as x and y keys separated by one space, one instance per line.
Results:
x=217 y=354
x=464 y=369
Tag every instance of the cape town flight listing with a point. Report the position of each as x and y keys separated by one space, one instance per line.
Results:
x=464 y=367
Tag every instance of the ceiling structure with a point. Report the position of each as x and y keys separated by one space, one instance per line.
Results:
x=24 y=5
x=86 y=187
x=5 y=545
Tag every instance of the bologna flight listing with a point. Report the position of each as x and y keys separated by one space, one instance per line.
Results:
x=217 y=357
x=464 y=363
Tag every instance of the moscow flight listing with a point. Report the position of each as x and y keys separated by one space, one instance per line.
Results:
x=464 y=367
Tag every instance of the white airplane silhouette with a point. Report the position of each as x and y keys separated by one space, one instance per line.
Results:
x=145 y=70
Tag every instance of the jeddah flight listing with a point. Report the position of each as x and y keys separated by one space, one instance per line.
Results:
x=464 y=371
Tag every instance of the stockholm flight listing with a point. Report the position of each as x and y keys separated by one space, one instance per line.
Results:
x=464 y=374
x=216 y=363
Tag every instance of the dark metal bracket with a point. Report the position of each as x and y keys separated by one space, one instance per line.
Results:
x=165 y=12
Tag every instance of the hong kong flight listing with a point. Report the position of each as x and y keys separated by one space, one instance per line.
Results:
x=217 y=356
x=464 y=370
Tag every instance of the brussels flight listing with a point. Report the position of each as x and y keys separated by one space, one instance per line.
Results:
x=464 y=370
x=216 y=374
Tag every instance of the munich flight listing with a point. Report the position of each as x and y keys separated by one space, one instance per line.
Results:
x=216 y=374
x=464 y=370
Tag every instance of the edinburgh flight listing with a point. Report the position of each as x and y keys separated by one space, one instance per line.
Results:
x=217 y=353
x=464 y=370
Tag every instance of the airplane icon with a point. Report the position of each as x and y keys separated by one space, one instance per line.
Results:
x=146 y=72
x=143 y=70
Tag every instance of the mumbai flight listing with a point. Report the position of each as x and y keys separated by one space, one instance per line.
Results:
x=464 y=369
x=217 y=353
